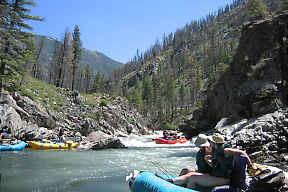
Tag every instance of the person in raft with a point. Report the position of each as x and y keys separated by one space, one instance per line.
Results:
x=3 y=134
x=62 y=133
x=221 y=161
x=205 y=149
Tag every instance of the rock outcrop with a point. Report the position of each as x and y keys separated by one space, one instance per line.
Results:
x=24 y=119
x=249 y=101
x=253 y=84
x=263 y=138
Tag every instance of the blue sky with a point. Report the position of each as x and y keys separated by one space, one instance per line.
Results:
x=117 y=28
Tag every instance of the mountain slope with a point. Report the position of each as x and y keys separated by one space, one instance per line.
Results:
x=97 y=61
x=194 y=57
x=255 y=81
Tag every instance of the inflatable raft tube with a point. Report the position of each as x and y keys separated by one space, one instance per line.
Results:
x=165 y=141
x=145 y=181
x=39 y=145
x=11 y=147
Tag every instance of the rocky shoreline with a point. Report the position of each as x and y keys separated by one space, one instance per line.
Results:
x=263 y=137
x=24 y=120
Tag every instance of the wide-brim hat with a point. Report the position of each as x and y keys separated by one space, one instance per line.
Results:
x=216 y=138
x=202 y=141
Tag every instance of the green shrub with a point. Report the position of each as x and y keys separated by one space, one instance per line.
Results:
x=284 y=6
x=55 y=107
x=93 y=116
x=128 y=120
x=27 y=93
x=103 y=102
x=90 y=102
x=82 y=115
x=13 y=87
x=97 y=115
x=168 y=126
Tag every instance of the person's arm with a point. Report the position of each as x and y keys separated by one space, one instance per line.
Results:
x=231 y=152
x=207 y=158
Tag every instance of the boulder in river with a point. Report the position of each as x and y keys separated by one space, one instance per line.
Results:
x=99 y=140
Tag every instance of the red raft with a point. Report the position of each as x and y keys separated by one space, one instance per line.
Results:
x=165 y=141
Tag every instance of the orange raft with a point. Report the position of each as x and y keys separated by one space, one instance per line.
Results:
x=165 y=141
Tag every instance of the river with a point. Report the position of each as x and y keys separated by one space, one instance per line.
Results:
x=100 y=171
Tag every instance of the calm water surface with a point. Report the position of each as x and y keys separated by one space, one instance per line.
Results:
x=100 y=171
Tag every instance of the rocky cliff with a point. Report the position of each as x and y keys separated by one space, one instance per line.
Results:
x=24 y=119
x=252 y=88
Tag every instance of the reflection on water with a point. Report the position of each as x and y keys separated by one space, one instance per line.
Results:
x=76 y=170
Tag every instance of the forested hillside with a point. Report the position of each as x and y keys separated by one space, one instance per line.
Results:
x=63 y=63
x=171 y=78
x=91 y=61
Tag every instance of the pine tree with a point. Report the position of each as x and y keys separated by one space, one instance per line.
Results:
x=36 y=72
x=64 y=74
x=116 y=90
x=81 y=78
x=192 y=96
x=77 y=44
x=136 y=99
x=88 y=78
x=54 y=67
x=137 y=83
x=212 y=51
x=284 y=6
x=147 y=94
x=97 y=83
x=14 y=36
x=156 y=83
x=183 y=64
x=182 y=94
x=257 y=10
x=103 y=82
x=171 y=94
x=28 y=58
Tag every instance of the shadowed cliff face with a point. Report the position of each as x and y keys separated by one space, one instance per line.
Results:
x=253 y=83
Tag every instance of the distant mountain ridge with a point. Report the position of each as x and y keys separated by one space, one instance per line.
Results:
x=97 y=61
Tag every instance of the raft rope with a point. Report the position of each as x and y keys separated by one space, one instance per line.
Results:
x=157 y=165
x=162 y=169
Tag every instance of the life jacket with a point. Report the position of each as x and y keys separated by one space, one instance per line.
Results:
x=203 y=166
x=222 y=166
x=260 y=169
x=268 y=180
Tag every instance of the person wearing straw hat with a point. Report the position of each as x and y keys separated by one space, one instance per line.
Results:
x=205 y=149
x=222 y=164
x=221 y=160
x=202 y=166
